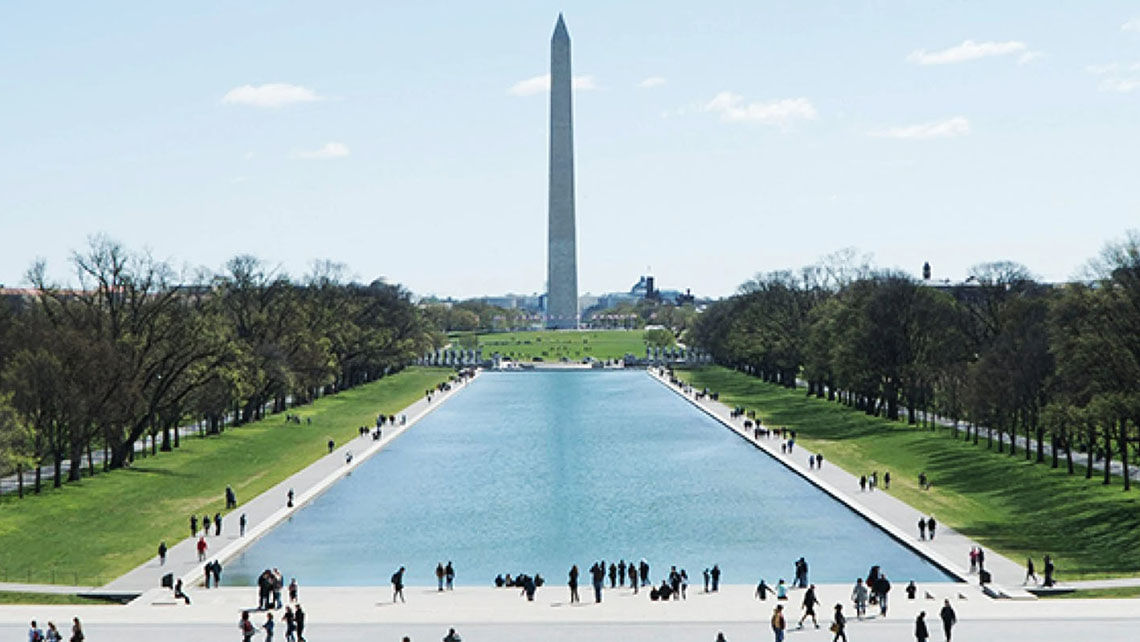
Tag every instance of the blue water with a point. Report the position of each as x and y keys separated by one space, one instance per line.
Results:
x=532 y=472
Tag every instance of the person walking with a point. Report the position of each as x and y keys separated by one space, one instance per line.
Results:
x=573 y=584
x=762 y=590
x=715 y=575
x=930 y=524
x=949 y=618
x=206 y=524
x=439 y=576
x=597 y=575
x=290 y=625
x=1029 y=572
x=613 y=575
x=887 y=480
x=778 y=623
x=882 y=587
x=241 y=526
x=859 y=596
x=862 y=483
x=452 y=636
x=231 y=498
x=839 y=624
x=201 y=548
x=293 y=590
x=809 y=607
x=449 y=576
x=921 y=528
x=1049 y=570
x=246 y=627
x=269 y=626
x=217 y=524
x=52 y=633
x=299 y=616
x=76 y=630
x=920 y=632
x=162 y=553
x=35 y=633
x=193 y=526
x=706 y=574
x=398 y=585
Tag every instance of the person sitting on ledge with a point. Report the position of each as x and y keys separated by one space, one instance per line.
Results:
x=508 y=581
x=499 y=581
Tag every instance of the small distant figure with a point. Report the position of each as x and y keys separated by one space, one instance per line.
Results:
x=246 y=627
x=231 y=498
x=859 y=595
x=162 y=553
x=911 y=590
x=449 y=575
x=811 y=462
x=819 y=461
x=332 y=445
x=193 y=526
x=309 y=420
x=202 y=549
x=887 y=480
x=452 y=636
x=439 y=576
x=179 y=594
x=839 y=625
x=348 y=457
x=76 y=630
x=862 y=483
x=613 y=575
x=922 y=528
x=268 y=626
x=293 y=590
x=572 y=582
x=921 y=634
x=778 y=622
x=949 y=618
x=290 y=625
x=762 y=590
x=1049 y=570
x=289 y=502
x=706 y=576
x=809 y=607
x=930 y=524
x=299 y=616
x=923 y=482
x=597 y=578
x=781 y=590
x=241 y=525
x=205 y=524
x=398 y=585
x=715 y=575
x=1030 y=574
x=217 y=524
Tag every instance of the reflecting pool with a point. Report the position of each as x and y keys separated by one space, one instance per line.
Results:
x=535 y=471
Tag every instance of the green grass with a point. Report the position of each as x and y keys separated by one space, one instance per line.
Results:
x=96 y=529
x=1018 y=508
x=16 y=597
x=1102 y=593
x=574 y=345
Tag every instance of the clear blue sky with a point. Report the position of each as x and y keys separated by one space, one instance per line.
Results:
x=401 y=138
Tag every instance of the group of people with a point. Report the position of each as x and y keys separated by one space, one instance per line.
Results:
x=213 y=570
x=296 y=419
x=868 y=483
x=445 y=574
x=926 y=528
x=269 y=586
x=1031 y=574
x=517 y=581
x=53 y=634
x=674 y=586
x=294 y=619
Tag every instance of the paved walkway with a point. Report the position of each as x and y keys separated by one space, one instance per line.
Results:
x=268 y=509
x=949 y=549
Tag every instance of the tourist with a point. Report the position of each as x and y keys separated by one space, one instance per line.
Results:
x=809 y=607
x=573 y=584
x=76 y=630
x=778 y=623
x=278 y=584
x=246 y=627
x=644 y=568
x=819 y=461
x=720 y=637
x=633 y=575
x=859 y=597
x=811 y=462
x=706 y=574
x=1049 y=569
x=1029 y=572
x=862 y=483
x=449 y=575
x=597 y=575
x=528 y=587
x=684 y=585
x=613 y=575
x=781 y=590
x=332 y=445
x=881 y=587
x=930 y=524
x=451 y=636
x=268 y=626
x=208 y=571
x=193 y=526
x=241 y=526
x=873 y=480
x=922 y=481
x=715 y=575
x=162 y=553
x=299 y=616
x=52 y=634
x=922 y=528
x=179 y=594
x=231 y=498
x=920 y=632
x=202 y=548
x=911 y=590
x=289 y=501
x=35 y=633
x=290 y=625
x=439 y=576
x=621 y=573
x=398 y=585
x=887 y=480
x=293 y=590
x=839 y=625
x=982 y=560
x=206 y=524
x=949 y=618
x=217 y=524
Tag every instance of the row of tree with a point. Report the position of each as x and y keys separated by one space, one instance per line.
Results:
x=137 y=348
x=1056 y=364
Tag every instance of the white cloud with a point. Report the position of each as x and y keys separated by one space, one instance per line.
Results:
x=541 y=84
x=274 y=94
x=732 y=108
x=1132 y=25
x=949 y=128
x=1121 y=77
x=329 y=150
x=1029 y=56
x=650 y=82
x=968 y=50
x=1112 y=68
x=1121 y=85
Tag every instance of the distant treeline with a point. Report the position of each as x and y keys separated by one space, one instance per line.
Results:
x=1056 y=363
x=135 y=348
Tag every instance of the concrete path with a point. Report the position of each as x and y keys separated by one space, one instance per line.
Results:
x=268 y=509
x=57 y=589
x=949 y=549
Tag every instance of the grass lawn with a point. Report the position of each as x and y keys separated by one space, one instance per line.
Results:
x=572 y=344
x=1104 y=593
x=16 y=597
x=97 y=529
x=1016 y=507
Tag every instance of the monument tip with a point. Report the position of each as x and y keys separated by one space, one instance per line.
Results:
x=560 y=26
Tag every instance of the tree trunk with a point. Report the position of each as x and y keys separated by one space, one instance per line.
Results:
x=20 y=481
x=57 y=469
x=1090 y=450
x=1124 y=453
x=1108 y=455
x=90 y=461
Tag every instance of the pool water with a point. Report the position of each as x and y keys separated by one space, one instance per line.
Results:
x=535 y=471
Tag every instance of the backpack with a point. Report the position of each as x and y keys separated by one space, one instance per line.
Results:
x=37 y=635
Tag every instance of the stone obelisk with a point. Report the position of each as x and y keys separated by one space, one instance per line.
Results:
x=562 y=260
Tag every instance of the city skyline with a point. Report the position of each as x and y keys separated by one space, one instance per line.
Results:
x=714 y=142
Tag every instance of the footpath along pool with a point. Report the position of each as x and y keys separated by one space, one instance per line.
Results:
x=532 y=472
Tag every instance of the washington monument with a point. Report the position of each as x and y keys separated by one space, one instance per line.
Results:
x=561 y=261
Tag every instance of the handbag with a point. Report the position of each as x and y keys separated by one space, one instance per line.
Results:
x=834 y=627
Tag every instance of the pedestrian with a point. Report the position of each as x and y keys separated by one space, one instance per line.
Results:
x=809 y=607
x=811 y=462
x=778 y=623
x=920 y=632
x=613 y=575
x=35 y=633
x=52 y=634
x=887 y=480
x=684 y=585
x=597 y=576
x=762 y=590
x=882 y=587
x=911 y=590
x=644 y=568
x=179 y=594
x=930 y=524
x=973 y=560
x=1029 y=572
x=949 y=618
x=839 y=625
x=231 y=498
x=268 y=626
x=209 y=572
x=76 y=630
x=715 y=575
x=162 y=553
x=862 y=483
x=193 y=525
x=332 y=445
x=290 y=625
x=621 y=573
x=246 y=627
x=289 y=502
x=706 y=574
x=293 y=590
x=819 y=461
x=217 y=524
x=982 y=562
x=299 y=616
x=451 y=636
x=206 y=524
x=201 y=548
x=398 y=585
x=449 y=576
x=922 y=528
x=720 y=637
x=859 y=597
x=1049 y=570
x=573 y=584
x=241 y=526
x=439 y=576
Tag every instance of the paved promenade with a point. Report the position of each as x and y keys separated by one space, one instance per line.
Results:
x=949 y=549
x=270 y=508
